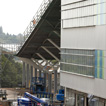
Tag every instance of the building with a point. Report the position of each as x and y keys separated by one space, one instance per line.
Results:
x=83 y=52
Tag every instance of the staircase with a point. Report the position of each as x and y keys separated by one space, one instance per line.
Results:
x=35 y=20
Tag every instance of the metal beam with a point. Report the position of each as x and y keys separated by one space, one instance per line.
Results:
x=42 y=62
x=37 y=64
x=47 y=63
x=50 y=53
x=49 y=23
x=54 y=44
x=56 y=33
x=41 y=56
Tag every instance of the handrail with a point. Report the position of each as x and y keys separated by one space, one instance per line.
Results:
x=35 y=20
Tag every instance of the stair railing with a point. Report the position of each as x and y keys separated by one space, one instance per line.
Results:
x=35 y=20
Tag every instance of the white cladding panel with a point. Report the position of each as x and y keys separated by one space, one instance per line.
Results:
x=92 y=86
x=79 y=22
x=81 y=4
x=69 y=1
x=84 y=38
x=86 y=13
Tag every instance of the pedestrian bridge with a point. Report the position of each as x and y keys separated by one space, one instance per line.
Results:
x=41 y=46
x=42 y=36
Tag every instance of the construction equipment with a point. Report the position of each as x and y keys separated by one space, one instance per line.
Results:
x=37 y=85
x=60 y=96
x=30 y=100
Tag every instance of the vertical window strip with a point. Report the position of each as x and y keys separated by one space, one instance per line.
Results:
x=103 y=65
x=99 y=64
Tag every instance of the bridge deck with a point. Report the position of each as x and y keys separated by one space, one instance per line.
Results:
x=47 y=30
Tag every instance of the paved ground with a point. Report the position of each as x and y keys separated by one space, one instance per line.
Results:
x=11 y=93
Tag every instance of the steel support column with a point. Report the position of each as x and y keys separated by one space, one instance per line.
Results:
x=39 y=73
x=27 y=77
x=55 y=81
x=49 y=83
x=45 y=76
x=31 y=73
x=85 y=100
x=23 y=75
x=35 y=72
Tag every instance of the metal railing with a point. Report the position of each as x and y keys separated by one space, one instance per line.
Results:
x=35 y=20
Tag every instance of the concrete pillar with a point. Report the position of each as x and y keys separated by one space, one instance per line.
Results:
x=39 y=73
x=55 y=81
x=35 y=72
x=45 y=77
x=31 y=72
x=49 y=83
x=27 y=77
x=65 y=94
x=76 y=100
x=23 y=75
x=85 y=101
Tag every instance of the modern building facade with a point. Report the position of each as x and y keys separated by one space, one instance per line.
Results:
x=83 y=52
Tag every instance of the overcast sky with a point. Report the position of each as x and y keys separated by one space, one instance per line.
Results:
x=15 y=15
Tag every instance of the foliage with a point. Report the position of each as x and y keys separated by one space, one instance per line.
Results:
x=11 y=75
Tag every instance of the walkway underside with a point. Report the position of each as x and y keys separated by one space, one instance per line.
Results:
x=45 y=39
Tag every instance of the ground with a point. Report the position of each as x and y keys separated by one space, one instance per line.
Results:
x=12 y=95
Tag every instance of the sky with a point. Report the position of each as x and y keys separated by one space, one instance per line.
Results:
x=15 y=15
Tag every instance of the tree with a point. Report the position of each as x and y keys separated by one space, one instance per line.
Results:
x=12 y=74
x=1 y=30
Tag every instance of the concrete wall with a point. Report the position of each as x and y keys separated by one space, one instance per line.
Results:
x=84 y=27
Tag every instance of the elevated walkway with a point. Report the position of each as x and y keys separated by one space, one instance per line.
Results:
x=42 y=36
x=41 y=46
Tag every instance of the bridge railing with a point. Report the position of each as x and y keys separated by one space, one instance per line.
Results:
x=35 y=20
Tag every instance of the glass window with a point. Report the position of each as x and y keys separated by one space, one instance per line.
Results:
x=70 y=98
x=80 y=100
x=78 y=61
